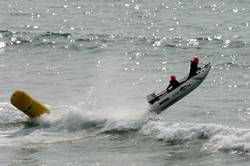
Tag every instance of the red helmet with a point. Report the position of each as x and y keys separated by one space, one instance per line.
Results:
x=196 y=59
x=172 y=77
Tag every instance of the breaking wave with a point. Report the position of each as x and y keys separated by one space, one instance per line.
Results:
x=70 y=123
x=216 y=137
x=65 y=123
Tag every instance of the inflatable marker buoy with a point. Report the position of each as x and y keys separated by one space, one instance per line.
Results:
x=27 y=104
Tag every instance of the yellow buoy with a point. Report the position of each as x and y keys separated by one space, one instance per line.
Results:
x=27 y=104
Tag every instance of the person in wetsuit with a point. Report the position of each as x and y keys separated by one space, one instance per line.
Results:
x=193 y=66
x=173 y=83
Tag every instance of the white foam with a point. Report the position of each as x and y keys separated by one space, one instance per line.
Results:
x=124 y=119
x=9 y=114
x=230 y=139
x=2 y=45
x=70 y=123
x=122 y=125
x=216 y=137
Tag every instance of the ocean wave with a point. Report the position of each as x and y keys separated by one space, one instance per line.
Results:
x=122 y=126
x=54 y=35
x=96 y=41
x=24 y=38
x=229 y=140
x=186 y=43
x=64 y=123
x=72 y=121
x=216 y=137
x=68 y=120
x=2 y=45
x=177 y=132
x=9 y=116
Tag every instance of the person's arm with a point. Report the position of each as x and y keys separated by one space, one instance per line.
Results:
x=168 y=88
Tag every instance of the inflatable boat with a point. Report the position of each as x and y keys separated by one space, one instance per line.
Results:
x=163 y=100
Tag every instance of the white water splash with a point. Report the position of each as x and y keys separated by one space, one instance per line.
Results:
x=217 y=137
x=2 y=45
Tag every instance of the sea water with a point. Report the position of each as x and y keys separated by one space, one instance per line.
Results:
x=92 y=63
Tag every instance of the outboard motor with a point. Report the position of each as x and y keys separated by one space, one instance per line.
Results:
x=152 y=98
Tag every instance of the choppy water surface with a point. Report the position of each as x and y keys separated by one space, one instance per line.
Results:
x=93 y=62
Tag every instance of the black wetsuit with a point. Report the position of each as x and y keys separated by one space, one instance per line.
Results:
x=173 y=84
x=193 y=69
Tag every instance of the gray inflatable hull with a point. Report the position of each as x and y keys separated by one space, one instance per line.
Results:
x=165 y=100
